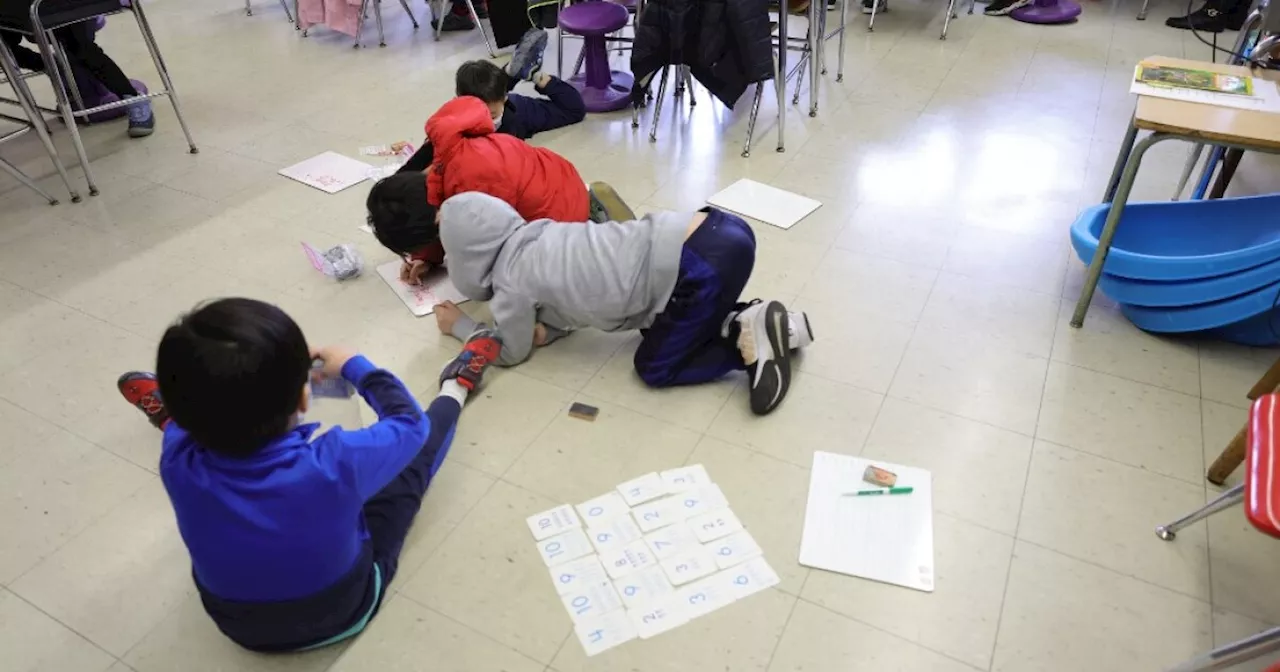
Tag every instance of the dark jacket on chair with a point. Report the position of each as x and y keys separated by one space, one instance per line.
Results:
x=725 y=43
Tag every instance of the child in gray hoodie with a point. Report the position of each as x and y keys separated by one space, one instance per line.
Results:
x=674 y=276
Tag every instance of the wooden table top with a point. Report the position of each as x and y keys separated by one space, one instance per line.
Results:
x=1221 y=124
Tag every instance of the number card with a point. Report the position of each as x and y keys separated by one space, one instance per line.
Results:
x=602 y=509
x=591 y=600
x=601 y=633
x=643 y=587
x=685 y=478
x=702 y=500
x=658 y=514
x=657 y=619
x=734 y=549
x=749 y=578
x=613 y=535
x=703 y=597
x=711 y=526
x=564 y=547
x=553 y=522
x=569 y=576
x=689 y=565
x=670 y=540
x=640 y=490
x=624 y=561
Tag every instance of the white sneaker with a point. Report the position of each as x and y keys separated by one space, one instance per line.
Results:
x=799 y=333
x=762 y=328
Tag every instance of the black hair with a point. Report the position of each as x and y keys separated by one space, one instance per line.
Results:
x=399 y=214
x=483 y=80
x=231 y=374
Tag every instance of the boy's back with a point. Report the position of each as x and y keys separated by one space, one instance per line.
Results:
x=471 y=156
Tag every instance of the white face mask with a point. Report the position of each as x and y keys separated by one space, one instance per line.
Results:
x=497 y=121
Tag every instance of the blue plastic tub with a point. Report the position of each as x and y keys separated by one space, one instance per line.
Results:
x=1185 y=292
x=1185 y=240
x=1241 y=319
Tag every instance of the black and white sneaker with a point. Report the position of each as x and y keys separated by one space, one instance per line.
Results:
x=882 y=6
x=763 y=340
x=526 y=59
x=1004 y=7
x=800 y=334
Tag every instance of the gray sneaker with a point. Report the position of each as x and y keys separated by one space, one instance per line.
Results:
x=526 y=58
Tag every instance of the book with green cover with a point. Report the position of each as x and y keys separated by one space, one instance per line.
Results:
x=1201 y=80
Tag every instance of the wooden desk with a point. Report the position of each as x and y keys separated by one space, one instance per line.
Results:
x=1176 y=120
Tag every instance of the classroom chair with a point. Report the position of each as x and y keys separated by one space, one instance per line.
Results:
x=1261 y=496
x=31 y=120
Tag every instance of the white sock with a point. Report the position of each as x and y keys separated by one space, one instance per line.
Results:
x=454 y=390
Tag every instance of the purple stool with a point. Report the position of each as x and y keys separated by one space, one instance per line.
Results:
x=1048 y=11
x=603 y=90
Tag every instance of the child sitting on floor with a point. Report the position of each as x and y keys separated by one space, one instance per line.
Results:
x=674 y=276
x=293 y=537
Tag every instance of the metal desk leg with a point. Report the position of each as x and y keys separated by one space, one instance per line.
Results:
x=1229 y=655
x=1229 y=165
x=1118 y=197
x=1192 y=159
x=816 y=43
x=781 y=78
x=1122 y=157
x=844 y=20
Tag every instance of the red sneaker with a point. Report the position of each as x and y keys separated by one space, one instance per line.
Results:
x=481 y=350
x=142 y=390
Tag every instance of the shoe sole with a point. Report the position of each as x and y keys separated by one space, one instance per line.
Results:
x=531 y=45
x=1007 y=10
x=607 y=201
x=808 y=329
x=771 y=374
x=141 y=132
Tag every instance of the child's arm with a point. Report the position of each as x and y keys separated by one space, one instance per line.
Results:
x=372 y=456
x=420 y=161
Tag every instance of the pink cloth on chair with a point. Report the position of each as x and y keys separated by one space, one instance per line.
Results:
x=340 y=15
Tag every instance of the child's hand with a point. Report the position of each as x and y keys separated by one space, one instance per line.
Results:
x=333 y=359
x=447 y=314
x=413 y=270
x=539 y=334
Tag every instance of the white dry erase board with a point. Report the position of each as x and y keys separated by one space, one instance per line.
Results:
x=330 y=172
x=421 y=299
x=768 y=204
x=887 y=538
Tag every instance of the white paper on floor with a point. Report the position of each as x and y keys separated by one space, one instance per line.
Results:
x=887 y=538
x=768 y=204
x=420 y=299
x=330 y=172
x=617 y=585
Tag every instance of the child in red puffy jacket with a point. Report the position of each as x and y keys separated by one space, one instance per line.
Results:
x=471 y=156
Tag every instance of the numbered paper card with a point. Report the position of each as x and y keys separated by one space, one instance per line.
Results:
x=564 y=547
x=711 y=526
x=591 y=600
x=685 y=478
x=704 y=596
x=658 y=514
x=640 y=490
x=603 y=509
x=643 y=587
x=569 y=576
x=749 y=578
x=734 y=549
x=623 y=561
x=613 y=535
x=670 y=540
x=603 y=632
x=553 y=522
x=657 y=619
x=689 y=565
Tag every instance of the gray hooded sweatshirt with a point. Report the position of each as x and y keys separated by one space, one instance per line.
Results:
x=611 y=276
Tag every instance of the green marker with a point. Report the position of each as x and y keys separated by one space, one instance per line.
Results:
x=880 y=491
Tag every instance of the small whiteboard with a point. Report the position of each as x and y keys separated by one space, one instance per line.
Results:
x=765 y=203
x=421 y=299
x=887 y=538
x=330 y=172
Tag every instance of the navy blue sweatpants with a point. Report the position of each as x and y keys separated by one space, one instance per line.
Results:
x=684 y=345
x=390 y=513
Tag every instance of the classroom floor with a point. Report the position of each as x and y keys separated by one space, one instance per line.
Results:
x=937 y=276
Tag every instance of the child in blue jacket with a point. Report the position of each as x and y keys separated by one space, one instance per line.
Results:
x=293 y=537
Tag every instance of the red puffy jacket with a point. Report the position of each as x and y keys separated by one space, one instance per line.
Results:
x=471 y=156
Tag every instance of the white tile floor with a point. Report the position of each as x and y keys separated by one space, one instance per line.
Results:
x=937 y=275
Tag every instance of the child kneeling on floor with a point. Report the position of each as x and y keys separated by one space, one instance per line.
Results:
x=674 y=276
x=293 y=537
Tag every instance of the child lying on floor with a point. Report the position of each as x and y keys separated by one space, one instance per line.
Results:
x=674 y=276
x=471 y=156
x=294 y=538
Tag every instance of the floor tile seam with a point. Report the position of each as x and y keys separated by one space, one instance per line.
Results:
x=51 y=617
x=1058 y=444
x=882 y=630
x=152 y=470
x=1116 y=572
